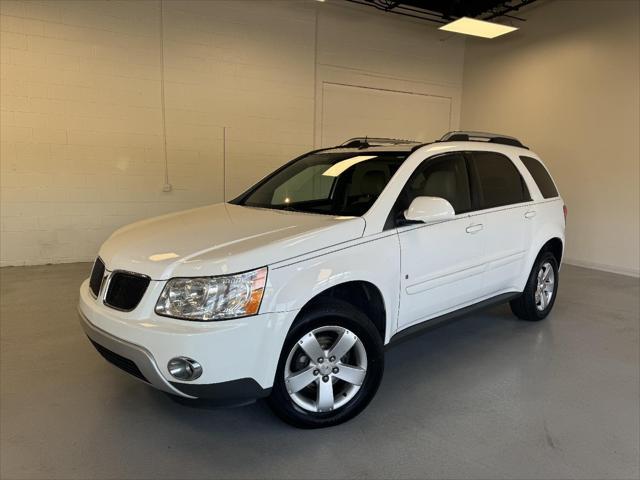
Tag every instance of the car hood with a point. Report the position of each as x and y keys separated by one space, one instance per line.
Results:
x=222 y=239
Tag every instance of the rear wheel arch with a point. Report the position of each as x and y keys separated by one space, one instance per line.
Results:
x=555 y=246
x=540 y=292
x=547 y=240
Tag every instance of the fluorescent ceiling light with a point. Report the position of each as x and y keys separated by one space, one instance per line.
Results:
x=341 y=166
x=477 y=28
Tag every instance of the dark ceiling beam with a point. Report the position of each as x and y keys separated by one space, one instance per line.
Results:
x=422 y=12
x=378 y=6
x=510 y=8
x=444 y=11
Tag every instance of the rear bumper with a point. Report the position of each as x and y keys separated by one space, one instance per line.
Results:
x=139 y=362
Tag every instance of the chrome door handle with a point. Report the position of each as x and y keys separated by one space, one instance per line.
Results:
x=475 y=228
x=530 y=214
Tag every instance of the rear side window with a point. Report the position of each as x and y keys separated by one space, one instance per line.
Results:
x=541 y=176
x=499 y=181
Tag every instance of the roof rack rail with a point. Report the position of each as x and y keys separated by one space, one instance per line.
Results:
x=466 y=136
x=364 y=142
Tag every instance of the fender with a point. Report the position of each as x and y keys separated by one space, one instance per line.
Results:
x=373 y=260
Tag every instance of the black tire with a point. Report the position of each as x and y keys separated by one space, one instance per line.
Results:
x=329 y=313
x=524 y=306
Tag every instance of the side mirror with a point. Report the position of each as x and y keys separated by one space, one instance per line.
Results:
x=429 y=210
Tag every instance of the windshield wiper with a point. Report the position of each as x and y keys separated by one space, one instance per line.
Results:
x=290 y=208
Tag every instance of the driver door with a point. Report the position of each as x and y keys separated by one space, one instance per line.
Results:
x=441 y=263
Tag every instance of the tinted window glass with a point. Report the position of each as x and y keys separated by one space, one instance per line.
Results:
x=330 y=183
x=445 y=177
x=500 y=182
x=541 y=176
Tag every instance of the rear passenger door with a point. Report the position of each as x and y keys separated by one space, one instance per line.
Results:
x=503 y=199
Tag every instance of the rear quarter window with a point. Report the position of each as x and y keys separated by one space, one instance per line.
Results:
x=541 y=177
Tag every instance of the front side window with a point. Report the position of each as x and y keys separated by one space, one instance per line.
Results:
x=445 y=177
x=345 y=184
x=499 y=181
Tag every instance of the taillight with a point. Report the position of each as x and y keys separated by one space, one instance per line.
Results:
x=565 y=211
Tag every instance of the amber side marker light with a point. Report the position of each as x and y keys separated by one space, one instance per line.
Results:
x=477 y=28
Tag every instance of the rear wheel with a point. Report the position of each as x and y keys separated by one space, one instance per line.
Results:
x=330 y=367
x=539 y=294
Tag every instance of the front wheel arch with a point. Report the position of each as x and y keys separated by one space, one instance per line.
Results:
x=362 y=295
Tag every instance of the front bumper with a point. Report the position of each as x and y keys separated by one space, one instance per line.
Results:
x=131 y=358
x=239 y=357
x=137 y=361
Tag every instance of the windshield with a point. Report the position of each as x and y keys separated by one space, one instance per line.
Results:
x=344 y=184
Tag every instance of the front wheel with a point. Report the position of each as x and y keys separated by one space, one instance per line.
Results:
x=330 y=367
x=539 y=294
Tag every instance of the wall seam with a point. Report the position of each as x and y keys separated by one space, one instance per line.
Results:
x=166 y=186
x=315 y=81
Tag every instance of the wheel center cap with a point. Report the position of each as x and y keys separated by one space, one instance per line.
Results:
x=325 y=369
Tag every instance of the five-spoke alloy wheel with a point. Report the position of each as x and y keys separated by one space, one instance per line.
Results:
x=330 y=366
x=539 y=293
x=325 y=369
x=546 y=282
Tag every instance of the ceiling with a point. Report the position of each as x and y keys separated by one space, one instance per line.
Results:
x=443 y=11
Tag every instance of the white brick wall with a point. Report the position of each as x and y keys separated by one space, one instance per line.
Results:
x=82 y=145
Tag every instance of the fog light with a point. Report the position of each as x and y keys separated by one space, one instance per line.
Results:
x=184 y=368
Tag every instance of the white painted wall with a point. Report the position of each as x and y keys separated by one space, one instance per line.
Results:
x=82 y=139
x=350 y=111
x=568 y=84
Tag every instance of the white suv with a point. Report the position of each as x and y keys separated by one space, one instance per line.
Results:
x=292 y=290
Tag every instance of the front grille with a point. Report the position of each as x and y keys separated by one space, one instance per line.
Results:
x=119 y=361
x=97 y=274
x=126 y=290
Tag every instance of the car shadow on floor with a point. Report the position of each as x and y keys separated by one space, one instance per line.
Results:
x=446 y=351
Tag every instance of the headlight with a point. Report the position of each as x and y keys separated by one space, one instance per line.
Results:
x=213 y=298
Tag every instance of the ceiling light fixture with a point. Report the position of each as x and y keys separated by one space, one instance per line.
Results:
x=477 y=28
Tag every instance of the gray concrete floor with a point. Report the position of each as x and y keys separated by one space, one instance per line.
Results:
x=486 y=397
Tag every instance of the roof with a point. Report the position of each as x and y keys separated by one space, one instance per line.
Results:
x=371 y=144
x=378 y=148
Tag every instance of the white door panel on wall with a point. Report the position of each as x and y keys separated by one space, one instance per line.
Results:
x=353 y=111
